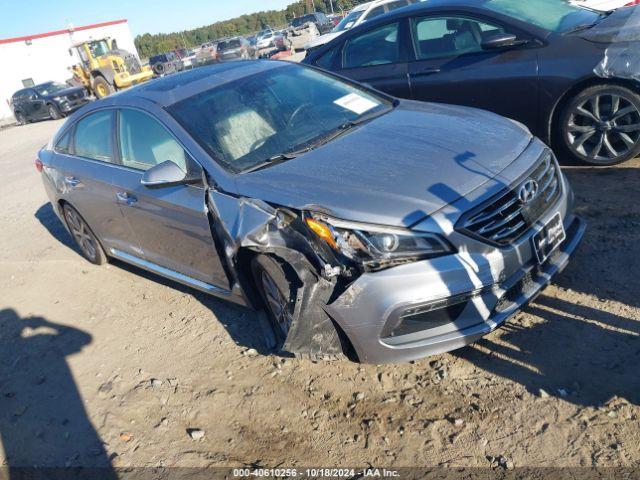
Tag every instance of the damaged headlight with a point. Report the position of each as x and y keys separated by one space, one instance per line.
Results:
x=375 y=246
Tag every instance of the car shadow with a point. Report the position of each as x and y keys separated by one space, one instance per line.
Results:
x=43 y=421
x=246 y=327
x=584 y=355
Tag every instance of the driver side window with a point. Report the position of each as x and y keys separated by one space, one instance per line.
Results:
x=145 y=143
x=450 y=36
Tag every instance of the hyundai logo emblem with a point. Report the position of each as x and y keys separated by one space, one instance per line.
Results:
x=528 y=192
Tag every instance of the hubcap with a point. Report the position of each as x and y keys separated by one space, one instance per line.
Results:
x=81 y=234
x=52 y=113
x=278 y=305
x=604 y=128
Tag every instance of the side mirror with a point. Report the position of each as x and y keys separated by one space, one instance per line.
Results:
x=168 y=174
x=501 y=40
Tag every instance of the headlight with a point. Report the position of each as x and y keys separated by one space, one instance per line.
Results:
x=57 y=99
x=377 y=247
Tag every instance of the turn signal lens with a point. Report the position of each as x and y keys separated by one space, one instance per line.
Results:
x=39 y=165
x=322 y=230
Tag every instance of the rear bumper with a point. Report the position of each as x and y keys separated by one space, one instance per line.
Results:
x=485 y=289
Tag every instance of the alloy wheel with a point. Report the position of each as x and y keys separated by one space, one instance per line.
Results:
x=81 y=234
x=277 y=303
x=603 y=128
x=53 y=113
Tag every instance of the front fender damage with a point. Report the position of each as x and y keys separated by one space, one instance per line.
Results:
x=248 y=224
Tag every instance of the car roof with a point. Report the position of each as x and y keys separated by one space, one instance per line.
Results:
x=168 y=90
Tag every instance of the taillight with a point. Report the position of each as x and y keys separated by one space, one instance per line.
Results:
x=39 y=165
x=633 y=3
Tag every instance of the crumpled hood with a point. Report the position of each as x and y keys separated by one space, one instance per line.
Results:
x=622 y=25
x=397 y=168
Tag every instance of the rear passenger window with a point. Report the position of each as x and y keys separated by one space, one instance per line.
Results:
x=376 y=47
x=450 y=36
x=93 y=136
x=64 y=144
x=144 y=143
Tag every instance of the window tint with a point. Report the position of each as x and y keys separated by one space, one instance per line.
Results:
x=64 y=144
x=145 y=143
x=93 y=136
x=327 y=61
x=376 y=12
x=376 y=47
x=450 y=36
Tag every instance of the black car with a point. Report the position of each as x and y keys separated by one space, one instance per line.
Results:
x=166 y=63
x=323 y=23
x=47 y=100
x=566 y=72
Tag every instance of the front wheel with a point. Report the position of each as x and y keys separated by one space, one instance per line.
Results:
x=278 y=292
x=54 y=113
x=20 y=118
x=601 y=125
x=102 y=88
x=83 y=236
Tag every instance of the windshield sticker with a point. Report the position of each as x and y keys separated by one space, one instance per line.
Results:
x=356 y=103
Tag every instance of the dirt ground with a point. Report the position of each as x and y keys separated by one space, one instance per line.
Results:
x=110 y=365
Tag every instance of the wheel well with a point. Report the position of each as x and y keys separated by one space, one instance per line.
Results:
x=244 y=258
x=575 y=90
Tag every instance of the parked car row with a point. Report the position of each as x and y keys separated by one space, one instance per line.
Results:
x=560 y=69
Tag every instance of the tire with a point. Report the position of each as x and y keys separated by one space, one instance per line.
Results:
x=601 y=125
x=54 y=113
x=158 y=68
x=278 y=292
x=84 y=237
x=101 y=87
x=20 y=118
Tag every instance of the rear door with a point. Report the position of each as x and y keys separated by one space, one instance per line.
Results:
x=452 y=67
x=86 y=162
x=171 y=223
x=378 y=57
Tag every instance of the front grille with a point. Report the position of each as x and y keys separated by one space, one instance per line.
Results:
x=504 y=218
x=132 y=64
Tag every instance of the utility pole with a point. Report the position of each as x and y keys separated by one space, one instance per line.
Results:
x=331 y=3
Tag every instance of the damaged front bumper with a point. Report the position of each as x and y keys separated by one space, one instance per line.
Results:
x=434 y=306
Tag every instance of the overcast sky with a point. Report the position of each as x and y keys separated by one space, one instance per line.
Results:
x=26 y=17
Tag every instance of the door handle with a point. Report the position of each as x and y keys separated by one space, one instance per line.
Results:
x=125 y=198
x=427 y=71
x=71 y=181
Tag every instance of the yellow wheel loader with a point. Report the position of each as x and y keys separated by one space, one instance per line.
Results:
x=103 y=68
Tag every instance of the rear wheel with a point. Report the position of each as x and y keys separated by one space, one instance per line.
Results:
x=101 y=87
x=601 y=125
x=278 y=292
x=83 y=236
x=54 y=113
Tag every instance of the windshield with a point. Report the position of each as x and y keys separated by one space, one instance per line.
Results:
x=49 y=88
x=247 y=122
x=99 y=48
x=348 y=21
x=228 y=45
x=555 y=15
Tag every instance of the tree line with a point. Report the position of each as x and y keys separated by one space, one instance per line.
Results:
x=148 y=44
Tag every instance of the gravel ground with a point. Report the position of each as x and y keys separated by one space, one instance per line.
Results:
x=110 y=365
